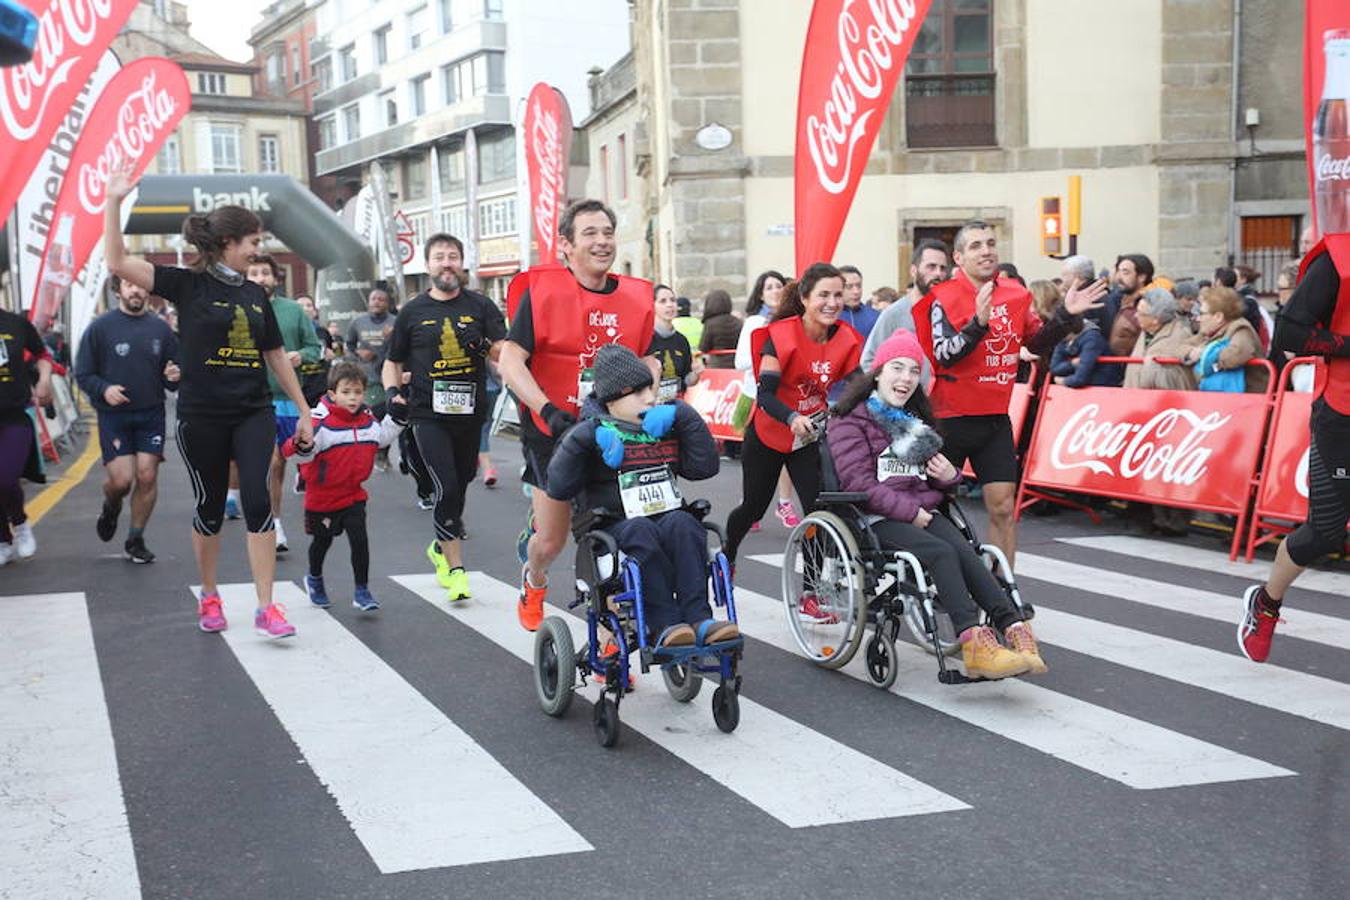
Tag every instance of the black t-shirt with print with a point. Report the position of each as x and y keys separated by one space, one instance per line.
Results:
x=223 y=331
x=17 y=334
x=677 y=360
x=443 y=343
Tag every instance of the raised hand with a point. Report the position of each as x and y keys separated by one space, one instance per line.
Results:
x=121 y=180
x=1079 y=300
x=984 y=302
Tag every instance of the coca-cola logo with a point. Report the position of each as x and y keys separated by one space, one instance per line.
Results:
x=1148 y=451
x=64 y=28
x=716 y=406
x=140 y=120
x=546 y=150
x=1329 y=168
x=866 y=54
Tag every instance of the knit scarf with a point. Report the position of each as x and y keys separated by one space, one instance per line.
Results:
x=224 y=273
x=912 y=441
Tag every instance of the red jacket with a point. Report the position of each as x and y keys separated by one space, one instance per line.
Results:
x=342 y=457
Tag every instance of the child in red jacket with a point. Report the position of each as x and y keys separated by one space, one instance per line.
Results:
x=346 y=439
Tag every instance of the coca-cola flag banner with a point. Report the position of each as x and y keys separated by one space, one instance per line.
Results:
x=36 y=96
x=854 y=54
x=715 y=396
x=1326 y=112
x=135 y=114
x=548 y=142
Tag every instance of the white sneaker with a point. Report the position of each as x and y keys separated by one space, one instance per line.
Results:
x=281 y=538
x=6 y=554
x=25 y=545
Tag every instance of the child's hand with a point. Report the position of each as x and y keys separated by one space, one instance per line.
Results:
x=611 y=446
x=658 y=420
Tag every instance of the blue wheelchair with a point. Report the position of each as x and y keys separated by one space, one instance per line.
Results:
x=609 y=585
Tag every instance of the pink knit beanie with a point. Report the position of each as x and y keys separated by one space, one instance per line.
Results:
x=900 y=344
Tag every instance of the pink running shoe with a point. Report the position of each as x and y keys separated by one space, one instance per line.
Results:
x=786 y=514
x=270 y=622
x=754 y=527
x=809 y=611
x=209 y=615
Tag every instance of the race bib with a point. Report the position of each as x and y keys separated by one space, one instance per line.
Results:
x=452 y=398
x=668 y=390
x=585 y=385
x=890 y=466
x=818 y=419
x=648 y=492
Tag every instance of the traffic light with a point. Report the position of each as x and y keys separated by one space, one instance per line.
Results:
x=1052 y=227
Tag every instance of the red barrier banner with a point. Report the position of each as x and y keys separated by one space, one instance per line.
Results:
x=35 y=97
x=134 y=115
x=715 y=396
x=1326 y=112
x=852 y=59
x=548 y=142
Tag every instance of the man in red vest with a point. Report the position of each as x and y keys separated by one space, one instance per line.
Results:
x=560 y=316
x=973 y=327
x=1315 y=322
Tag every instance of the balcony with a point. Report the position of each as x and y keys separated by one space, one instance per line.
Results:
x=950 y=111
x=346 y=92
x=491 y=109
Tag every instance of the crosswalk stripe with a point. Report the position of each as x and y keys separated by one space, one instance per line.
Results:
x=762 y=761
x=418 y=791
x=1206 y=560
x=1227 y=608
x=62 y=816
x=1116 y=746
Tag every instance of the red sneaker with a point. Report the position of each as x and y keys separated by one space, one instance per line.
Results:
x=809 y=611
x=611 y=649
x=1257 y=628
x=530 y=609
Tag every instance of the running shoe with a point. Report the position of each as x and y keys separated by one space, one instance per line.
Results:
x=985 y=657
x=270 y=622
x=809 y=611
x=25 y=545
x=458 y=588
x=106 y=526
x=786 y=514
x=136 y=551
x=232 y=510
x=440 y=563
x=530 y=609
x=523 y=542
x=6 y=554
x=1260 y=615
x=426 y=502
x=318 y=596
x=1021 y=640
x=754 y=526
x=210 y=617
x=363 y=601
x=490 y=478
x=282 y=547
x=608 y=652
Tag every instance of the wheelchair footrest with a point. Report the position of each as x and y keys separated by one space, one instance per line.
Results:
x=676 y=656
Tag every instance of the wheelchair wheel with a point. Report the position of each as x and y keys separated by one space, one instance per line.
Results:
x=555 y=666
x=605 y=718
x=726 y=706
x=681 y=682
x=822 y=562
x=946 y=634
x=881 y=662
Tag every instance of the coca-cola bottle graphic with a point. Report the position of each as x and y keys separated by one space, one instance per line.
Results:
x=1331 y=138
x=58 y=271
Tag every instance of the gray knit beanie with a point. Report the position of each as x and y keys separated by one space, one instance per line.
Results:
x=618 y=371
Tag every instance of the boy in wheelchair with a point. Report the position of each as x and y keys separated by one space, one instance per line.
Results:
x=884 y=444
x=620 y=466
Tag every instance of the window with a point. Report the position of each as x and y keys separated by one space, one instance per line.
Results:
x=419 y=94
x=457 y=221
x=446 y=16
x=497 y=157
x=295 y=64
x=451 y=164
x=269 y=154
x=169 y=160
x=415 y=178
x=327 y=133
x=323 y=74
x=949 y=79
x=496 y=73
x=381 y=40
x=492 y=9
x=213 y=82
x=351 y=122
x=604 y=172
x=225 y=148
x=389 y=107
x=274 y=63
x=347 y=63
x=1267 y=243
x=452 y=86
x=497 y=218
x=623 y=166
x=417 y=27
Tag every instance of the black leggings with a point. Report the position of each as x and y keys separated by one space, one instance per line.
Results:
x=451 y=455
x=964 y=584
x=1328 y=505
x=760 y=466
x=323 y=528
x=208 y=445
x=417 y=467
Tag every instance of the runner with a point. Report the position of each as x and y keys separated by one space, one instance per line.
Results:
x=17 y=439
x=928 y=266
x=760 y=307
x=1315 y=322
x=679 y=369
x=227 y=333
x=799 y=357
x=314 y=376
x=126 y=361
x=444 y=338
x=547 y=361
x=973 y=327
x=368 y=340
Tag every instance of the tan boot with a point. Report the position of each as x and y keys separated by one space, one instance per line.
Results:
x=1020 y=639
x=985 y=657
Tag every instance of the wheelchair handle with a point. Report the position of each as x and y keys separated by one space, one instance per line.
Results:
x=603 y=538
x=840 y=498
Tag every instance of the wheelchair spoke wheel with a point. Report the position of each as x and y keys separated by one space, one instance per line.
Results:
x=881 y=660
x=681 y=682
x=555 y=666
x=726 y=707
x=946 y=634
x=605 y=718
x=822 y=590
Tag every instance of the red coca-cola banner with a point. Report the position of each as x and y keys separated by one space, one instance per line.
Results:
x=134 y=115
x=853 y=57
x=715 y=396
x=1328 y=152
x=35 y=97
x=548 y=141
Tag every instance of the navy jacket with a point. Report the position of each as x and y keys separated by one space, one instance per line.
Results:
x=127 y=350
x=1087 y=346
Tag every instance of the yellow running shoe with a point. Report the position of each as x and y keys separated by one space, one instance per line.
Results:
x=440 y=562
x=457 y=584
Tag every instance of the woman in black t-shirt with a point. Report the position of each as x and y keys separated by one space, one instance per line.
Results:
x=228 y=340
x=18 y=335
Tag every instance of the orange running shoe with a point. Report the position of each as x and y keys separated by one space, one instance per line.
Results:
x=530 y=609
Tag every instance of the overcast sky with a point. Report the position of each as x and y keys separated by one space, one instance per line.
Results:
x=224 y=27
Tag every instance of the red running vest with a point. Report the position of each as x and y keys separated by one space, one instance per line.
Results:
x=1337 y=389
x=980 y=384
x=571 y=323
x=809 y=370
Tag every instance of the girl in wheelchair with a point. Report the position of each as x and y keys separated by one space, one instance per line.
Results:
x=620 y=466
x=884 y=442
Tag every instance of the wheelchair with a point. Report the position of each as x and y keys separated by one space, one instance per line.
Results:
x=834 y=554
x=609 y=586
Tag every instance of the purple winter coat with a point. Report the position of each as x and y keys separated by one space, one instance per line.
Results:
x=856 y=440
